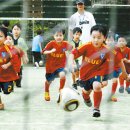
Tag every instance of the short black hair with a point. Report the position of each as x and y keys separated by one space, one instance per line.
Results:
x=18 y=25
x=101 y=28
x=39 y=32
x=4 y=31
x=6 y=23
x=77 y=29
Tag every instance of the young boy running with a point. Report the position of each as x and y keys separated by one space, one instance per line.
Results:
x=94 y=56
x=126 y=59
x=55 y=60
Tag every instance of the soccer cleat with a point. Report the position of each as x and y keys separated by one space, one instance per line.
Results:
x=75 y=86
x=96 y=113
x=87 y=101
x=47 y=96
x=121 y=89
x=128 y=90
x=1 y=106
x=113 y=98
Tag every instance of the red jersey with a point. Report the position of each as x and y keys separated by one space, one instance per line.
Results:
x=126 y=54
x=56 y=59
x=6 y=56
x=113 y=60
x=93 y=60
x=18 y=53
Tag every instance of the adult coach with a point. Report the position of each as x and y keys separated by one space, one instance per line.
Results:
x=83 y=19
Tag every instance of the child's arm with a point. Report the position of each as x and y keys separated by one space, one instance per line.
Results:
x=71 y=62
x=48 y=51
x=126 y=60
x=5 y=66
x=124 y=73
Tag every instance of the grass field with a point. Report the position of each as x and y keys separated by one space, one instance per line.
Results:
x=25 y=108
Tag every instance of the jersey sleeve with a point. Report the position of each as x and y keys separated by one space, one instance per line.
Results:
x=48 y=47
x=77 y=52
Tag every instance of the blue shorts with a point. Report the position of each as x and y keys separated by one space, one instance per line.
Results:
x=6 y=87
x=87 y=85
x=114 y=74
x=51 y=76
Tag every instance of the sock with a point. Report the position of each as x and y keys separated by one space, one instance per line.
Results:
x=47 y=87
x=121 y=80
x=97 y=96
x=85 y=96
x=114 y=86
x=62 y=83
x=127 y=84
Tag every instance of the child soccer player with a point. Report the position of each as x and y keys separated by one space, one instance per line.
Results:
x=126 y=59
x=55 y=60
x=76 y=42
x=7 y=65
x=111 y=43
x=94 y=56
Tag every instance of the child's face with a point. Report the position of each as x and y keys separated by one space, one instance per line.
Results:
x=16 y=31
x=9 y=40
x=121 y=42
x=76 y=36
x=2 y=38
x=110 y=42
x=97 y=39
x=58 y=36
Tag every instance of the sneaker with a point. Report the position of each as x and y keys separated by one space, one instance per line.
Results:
x=75 y=86
x=1 y=106
x=36 y=65
x=96 y=113
x=128 y=90
x=58 y=100
x=121 y=89
x=47 y=96
x=113 y=98
x=87 y=101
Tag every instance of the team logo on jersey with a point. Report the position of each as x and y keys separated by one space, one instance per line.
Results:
x=64 y=49
x=3 y=54
x=102 y=55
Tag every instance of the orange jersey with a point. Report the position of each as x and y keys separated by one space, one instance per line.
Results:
x=94 y=61
x=56 y=59
x=126 y=54
x=7 y=55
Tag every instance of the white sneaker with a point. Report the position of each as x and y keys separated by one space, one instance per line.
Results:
x=36 y=64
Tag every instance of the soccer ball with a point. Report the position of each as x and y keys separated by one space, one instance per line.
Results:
x=69 y=100
x=41 y=63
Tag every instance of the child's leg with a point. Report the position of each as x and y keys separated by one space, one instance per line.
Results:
x=121 y=81
x=127 y=87
x=1 y=104
x=62 y=79
x=97 y=97
x=86 y=97
x=47 y=95
x=113 y=90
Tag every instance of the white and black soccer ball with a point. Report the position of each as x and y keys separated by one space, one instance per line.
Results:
x=41 y=63
x=69 y=99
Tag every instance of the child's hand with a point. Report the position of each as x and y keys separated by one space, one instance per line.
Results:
x=53 y=50
x=5 y=66
x=25 y=59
